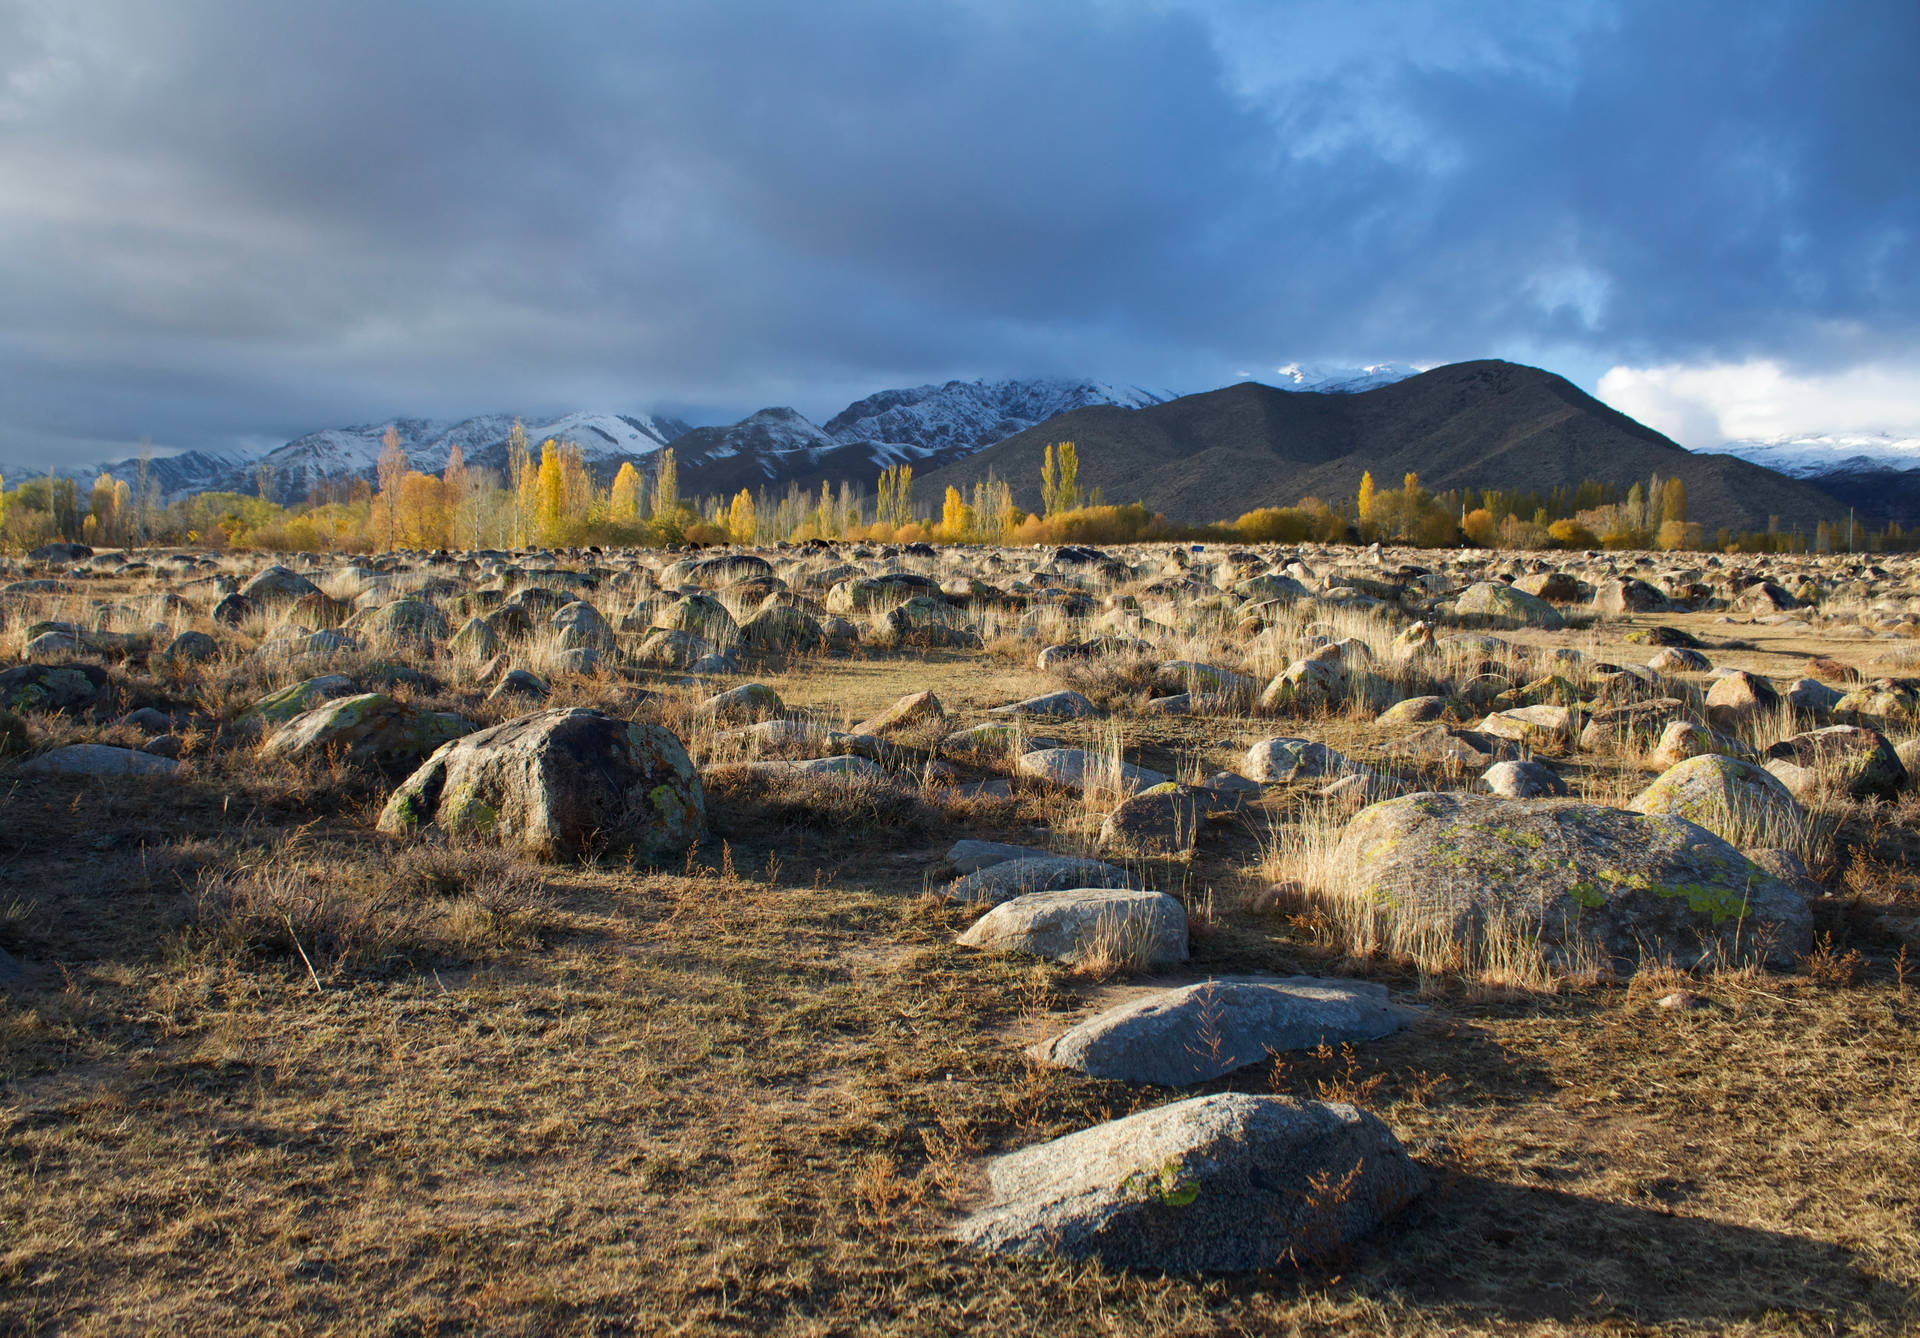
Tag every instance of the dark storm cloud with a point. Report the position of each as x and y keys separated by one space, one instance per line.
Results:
x=221 y=220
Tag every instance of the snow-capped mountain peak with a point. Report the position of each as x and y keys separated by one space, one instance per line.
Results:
x=1325 y=380
x=958 y=417
x=769 y=434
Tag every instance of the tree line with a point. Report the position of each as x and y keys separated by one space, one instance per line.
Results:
x=551 y=498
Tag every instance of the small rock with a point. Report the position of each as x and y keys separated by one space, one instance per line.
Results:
x=1520 y=780
x=1051 y=706
x=1003 y=880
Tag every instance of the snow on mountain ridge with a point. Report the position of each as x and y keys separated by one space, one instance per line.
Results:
x=963 y=416
x=295 y=469
x=1322 y=380
x=1813 y=455
x=771 y=434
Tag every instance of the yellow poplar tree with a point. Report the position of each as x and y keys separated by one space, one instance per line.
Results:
x=576 y=487
x=623 y=502
x=1049 y=486
x=1366 y=496
x=1673 y=501
x=956 y=516
x=420 y=511
x=550 y=493
x=101 y=507
x=1069 y=459
x=666 y=485
x=740 y=518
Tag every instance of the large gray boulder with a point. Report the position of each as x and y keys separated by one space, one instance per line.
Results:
x=1198 y=1032
x=1277 y=761
x=52 y=687
x=278 y=583
x=1224 y=1182
x=284 y=704
x=1505 y=605
x=1739 y=697
x=1145 y=929
x=580 y=626
x=1723 y=793
x=782 y=629
x=371 y=728
x=914 y=713
x=1311 y=686
x=1575 y=879
x=928 y=622
x=1164 y=820
x=1683 y=739
x=403 y=623
x=1885 y=703
x=1841 y=760
x=700 y=616
x=558 y=784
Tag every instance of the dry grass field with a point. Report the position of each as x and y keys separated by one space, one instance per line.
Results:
x=264 y=1069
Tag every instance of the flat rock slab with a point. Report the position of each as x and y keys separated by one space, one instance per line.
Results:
x=845 y=766
x=1079 y=769
x=1226 y=1182
x=1198 y=1032
x=98 y=759
x=973 y=856
x=1051 y=706
x=1146 y=928
x=1003 y=880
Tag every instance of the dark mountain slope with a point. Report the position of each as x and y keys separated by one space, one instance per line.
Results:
x=1471 y=425
x=1877 y=495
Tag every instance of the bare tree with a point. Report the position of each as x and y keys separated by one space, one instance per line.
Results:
x=391 y=469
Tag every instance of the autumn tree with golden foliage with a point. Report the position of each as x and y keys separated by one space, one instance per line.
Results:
x=623 y=501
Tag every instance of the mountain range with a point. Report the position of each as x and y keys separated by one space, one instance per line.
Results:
x=1470 y=425
x=1195 y=457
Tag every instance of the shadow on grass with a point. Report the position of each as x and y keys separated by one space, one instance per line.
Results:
x=1532 y=1254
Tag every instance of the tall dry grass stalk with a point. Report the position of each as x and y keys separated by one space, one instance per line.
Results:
x=1503 y=952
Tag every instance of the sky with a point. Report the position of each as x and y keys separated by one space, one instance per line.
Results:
x=227 y=222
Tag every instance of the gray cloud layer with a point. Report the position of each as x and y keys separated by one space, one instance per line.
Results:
x=221 y=219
